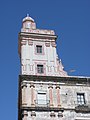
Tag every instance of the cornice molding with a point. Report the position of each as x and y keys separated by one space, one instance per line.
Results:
x=66 y=80
x=37 y=35
x=42 y=109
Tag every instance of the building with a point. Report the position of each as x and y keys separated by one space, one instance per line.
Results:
x=46 y=91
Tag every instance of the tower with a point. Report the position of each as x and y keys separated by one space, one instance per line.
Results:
x=42 y=80
x=37 y=50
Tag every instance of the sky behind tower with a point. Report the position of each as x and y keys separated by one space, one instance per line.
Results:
x=71 y=21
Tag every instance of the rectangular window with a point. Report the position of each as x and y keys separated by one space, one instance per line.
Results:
x=41 y=99
x=40 y=69
x=38 y=48
x=80 y=98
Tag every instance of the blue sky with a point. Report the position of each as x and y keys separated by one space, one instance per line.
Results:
x=71 y=21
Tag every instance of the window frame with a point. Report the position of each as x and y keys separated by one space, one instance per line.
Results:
x=40 y=69
x=28 y=25
x=42 y=49
x=81 y=99
x=44 y=68
x=44 y=102
x=41 y=100
x=39 y=49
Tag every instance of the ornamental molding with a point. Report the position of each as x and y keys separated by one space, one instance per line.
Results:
x=25 y=113
x=32 y=85
x=33 y=113
x=30 y=42
x=47 y=44
x=50 y=86
x=48 y=32
x=40 y=108
x=53 y=44
x=52 y=114
x=23 y=42
x=37 y=35
x=57 y=86
x=62 y=80
x=23 y=85
x=60 y=114
x=30 y=38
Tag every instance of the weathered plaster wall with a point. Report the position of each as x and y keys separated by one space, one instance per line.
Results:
x=68 y=100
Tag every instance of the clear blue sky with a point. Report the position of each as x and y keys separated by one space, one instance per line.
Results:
x=71 y=21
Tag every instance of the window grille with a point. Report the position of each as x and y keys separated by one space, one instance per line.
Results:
x=80 y=98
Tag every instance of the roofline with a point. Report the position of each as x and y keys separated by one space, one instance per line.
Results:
x=70 y=80
x=37 y=35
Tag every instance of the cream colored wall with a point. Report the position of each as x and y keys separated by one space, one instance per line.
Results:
x=29 y=59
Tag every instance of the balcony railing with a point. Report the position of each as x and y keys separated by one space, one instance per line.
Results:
x=42 y=103
x=82 y=108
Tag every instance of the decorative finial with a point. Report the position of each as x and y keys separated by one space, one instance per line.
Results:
x=60 y=60
x=27 y=15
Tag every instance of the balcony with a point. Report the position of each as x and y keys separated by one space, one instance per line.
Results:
x=84 y=108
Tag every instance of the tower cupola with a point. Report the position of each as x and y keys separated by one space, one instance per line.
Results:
x=28 y=23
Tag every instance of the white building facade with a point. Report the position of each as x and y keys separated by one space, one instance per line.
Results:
x=45 y=90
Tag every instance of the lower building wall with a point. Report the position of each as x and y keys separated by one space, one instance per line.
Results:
x=54 y=100
x=66 y=115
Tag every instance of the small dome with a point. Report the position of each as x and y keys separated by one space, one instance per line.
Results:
x=28 y=23
x=28 y=18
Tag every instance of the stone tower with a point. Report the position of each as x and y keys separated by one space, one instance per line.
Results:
x=41 y=73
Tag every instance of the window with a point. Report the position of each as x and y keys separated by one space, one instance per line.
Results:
x=41 y=98
x=38 y=48
x=80 y=98
x=40 y=69
x=28 y=25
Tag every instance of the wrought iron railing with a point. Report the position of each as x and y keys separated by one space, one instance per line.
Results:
x=82 y=108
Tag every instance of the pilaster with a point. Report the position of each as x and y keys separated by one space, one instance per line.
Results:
x=25 y=114
x=24 y=98
x=51 y=95
x=58 y=95
x=32 y=95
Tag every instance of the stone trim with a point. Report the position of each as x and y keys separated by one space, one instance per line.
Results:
x=52 y=114
x=82 y=109
x=33 y=113
x=47 y=44
x=37 y=35
x=23 y=85
x=25 y=113
x=65 y=80
x=50 y=86
x=57 y=86
x=51 y=95
x=30 y=42
x=58 y=95
x=39 y=108
x=32 y=94
x=32 y=85
x=60 y=114
x=53 y=44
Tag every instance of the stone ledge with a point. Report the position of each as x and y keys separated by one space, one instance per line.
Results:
x=82 y=108
x=55 y=109
x=66 y=80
